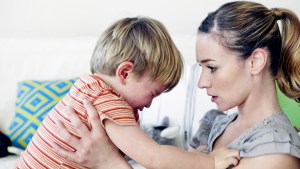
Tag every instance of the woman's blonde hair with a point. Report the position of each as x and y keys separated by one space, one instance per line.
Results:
x=143 y=41
x=243 y=26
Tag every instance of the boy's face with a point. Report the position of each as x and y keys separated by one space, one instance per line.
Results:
x=139 y=92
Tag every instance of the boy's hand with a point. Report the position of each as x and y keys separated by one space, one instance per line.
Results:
x=225 y=157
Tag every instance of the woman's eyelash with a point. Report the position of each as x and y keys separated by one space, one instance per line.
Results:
x=212 y=69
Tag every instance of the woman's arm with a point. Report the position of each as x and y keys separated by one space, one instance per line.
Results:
x=272 y=161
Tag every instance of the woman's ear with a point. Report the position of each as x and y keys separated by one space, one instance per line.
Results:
x=123 y=71
x=258 y=60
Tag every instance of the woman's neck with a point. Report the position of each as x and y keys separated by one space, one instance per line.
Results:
x=261 y=103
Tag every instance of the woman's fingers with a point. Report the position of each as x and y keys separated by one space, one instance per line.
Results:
x=65 y=134
x=84 y=140
x=93 y=114
x=71 y=140
x=93 y=149
x=64 y=153
x=80 y=128
x=97 y=129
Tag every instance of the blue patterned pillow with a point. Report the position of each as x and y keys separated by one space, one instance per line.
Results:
x=34 y=100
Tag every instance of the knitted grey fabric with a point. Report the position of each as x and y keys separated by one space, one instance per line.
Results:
x=274 y=134
x=201 y=136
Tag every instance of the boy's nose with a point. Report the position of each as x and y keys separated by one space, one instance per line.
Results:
x=149 y=104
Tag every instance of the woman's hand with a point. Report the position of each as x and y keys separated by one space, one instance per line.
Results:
x=94 y=149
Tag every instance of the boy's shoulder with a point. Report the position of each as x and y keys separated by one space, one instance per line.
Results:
x=93 y=85
x=90 y=81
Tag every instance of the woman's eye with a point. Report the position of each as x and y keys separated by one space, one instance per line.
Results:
x=212 y=69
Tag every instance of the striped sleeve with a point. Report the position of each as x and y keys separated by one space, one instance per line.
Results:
x=116 y=109
x=108 y=102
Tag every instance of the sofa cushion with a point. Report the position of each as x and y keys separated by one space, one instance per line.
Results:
x=34 y=100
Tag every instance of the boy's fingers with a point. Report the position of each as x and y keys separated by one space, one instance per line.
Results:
x=230 y=156
x=233 y=161
x=235 y=153
x=234 y=157
x=79 y=126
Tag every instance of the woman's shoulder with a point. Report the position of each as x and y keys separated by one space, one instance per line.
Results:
x=274 y=135
x=277 y=161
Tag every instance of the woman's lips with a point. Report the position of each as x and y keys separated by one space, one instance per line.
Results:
x=214 y=98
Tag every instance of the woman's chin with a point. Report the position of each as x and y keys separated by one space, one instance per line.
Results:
x=223 y=108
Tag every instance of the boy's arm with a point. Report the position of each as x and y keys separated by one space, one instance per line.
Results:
x=139 y=146
x=272 y=161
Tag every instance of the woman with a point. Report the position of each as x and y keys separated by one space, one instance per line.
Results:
x=242 y=54
x=249 y=55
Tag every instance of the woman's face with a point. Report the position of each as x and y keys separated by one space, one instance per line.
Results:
x=224 y=76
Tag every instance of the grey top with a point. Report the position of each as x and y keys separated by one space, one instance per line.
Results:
x=274 y=134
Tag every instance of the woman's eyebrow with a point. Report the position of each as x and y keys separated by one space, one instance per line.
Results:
x=205 y=60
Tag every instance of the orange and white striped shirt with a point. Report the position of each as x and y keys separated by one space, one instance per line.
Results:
x=110 y=105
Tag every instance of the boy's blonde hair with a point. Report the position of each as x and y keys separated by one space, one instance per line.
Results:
x=143 y=41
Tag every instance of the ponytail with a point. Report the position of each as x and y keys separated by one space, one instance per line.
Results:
x=288 y=76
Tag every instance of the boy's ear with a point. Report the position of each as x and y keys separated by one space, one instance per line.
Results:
x=123 y=70
x=258 y=60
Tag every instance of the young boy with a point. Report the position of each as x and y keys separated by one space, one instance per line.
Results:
x=134 y=61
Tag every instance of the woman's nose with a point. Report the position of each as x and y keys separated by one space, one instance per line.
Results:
x=203 y=82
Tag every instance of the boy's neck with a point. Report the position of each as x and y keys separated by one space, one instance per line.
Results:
x=109 y=80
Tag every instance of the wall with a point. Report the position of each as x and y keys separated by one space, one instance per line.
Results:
x=69 y=18
x=60 y=18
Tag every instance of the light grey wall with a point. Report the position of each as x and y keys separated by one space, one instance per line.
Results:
x=65 y=18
